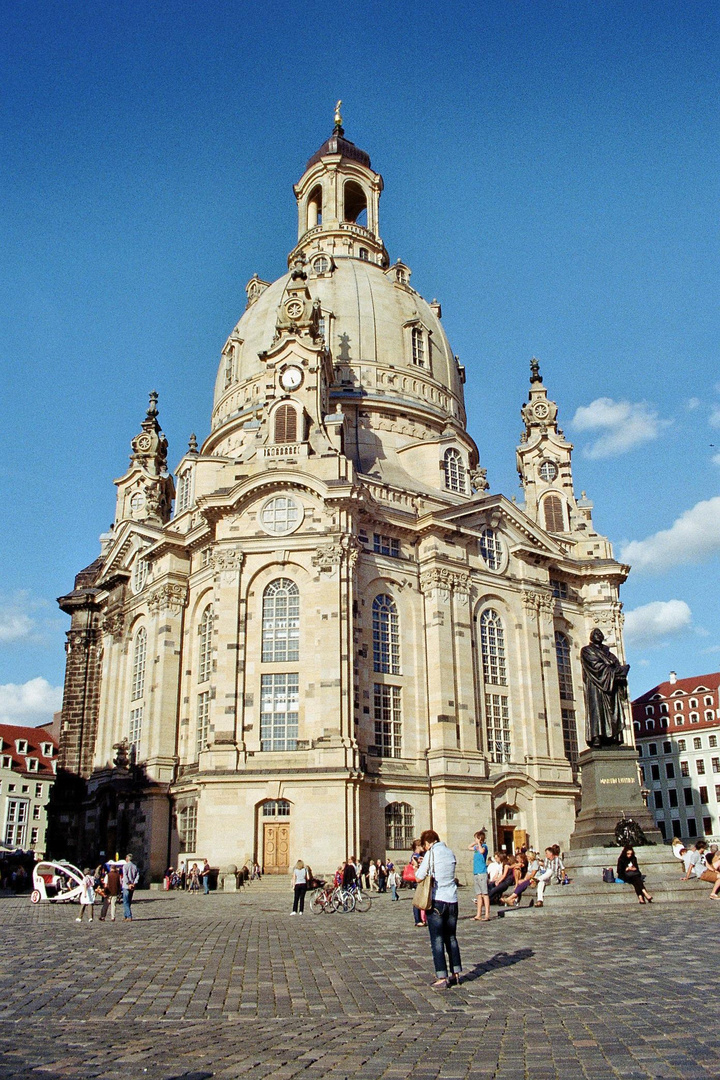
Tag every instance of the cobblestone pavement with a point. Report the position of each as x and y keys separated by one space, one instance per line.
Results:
x=225 y=986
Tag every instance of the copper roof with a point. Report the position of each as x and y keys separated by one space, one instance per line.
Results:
x=337 y=144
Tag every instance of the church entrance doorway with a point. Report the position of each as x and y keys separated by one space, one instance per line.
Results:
x=506 y=829
x=276 y=836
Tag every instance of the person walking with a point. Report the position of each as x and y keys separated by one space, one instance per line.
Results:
x=440 y=862
x=205 y=875
x=480 y=876
x=130 y=877
x=87 y=896
x=112 y=886
x=629 y=871
x=299 y=879
x=393 y=882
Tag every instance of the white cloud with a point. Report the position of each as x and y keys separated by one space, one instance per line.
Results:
x=715 y=417
x=716 y=458
x=14 y=624
x=30 y=703
x=24 y=617
x=621 y=425
x=655 y=621
x=692 y=538
x=692 y=403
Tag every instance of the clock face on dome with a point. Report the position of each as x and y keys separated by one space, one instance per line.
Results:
x=541 y=410
x=294 y=308
x=291 y=378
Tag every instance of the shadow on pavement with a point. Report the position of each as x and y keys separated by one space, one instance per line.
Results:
x=499 y=960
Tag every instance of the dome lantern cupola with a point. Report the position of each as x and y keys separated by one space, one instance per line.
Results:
x=338 y=199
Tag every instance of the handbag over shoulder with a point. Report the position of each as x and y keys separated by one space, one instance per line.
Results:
x=422 y=897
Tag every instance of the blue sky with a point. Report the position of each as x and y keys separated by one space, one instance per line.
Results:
x=551 y=176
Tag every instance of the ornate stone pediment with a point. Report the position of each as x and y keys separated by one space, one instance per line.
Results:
x=114 y=624
x=169 y=597
x=228 y=558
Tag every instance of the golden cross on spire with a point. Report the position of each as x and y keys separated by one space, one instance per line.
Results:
x=338 y=117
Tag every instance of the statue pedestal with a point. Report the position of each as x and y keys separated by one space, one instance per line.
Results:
x=610 y=786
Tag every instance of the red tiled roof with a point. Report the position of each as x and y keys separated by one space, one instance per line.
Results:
x=35 y=737
x=694 y=685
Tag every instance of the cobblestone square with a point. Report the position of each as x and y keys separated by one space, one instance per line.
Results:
x=230 y=985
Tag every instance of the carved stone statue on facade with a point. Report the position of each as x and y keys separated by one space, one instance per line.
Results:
x=605 y=685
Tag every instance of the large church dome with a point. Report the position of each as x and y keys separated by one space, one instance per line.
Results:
x=385 y=343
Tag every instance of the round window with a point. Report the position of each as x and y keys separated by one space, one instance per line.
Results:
x=321 y=265
x=281 y=515
x=548 y=471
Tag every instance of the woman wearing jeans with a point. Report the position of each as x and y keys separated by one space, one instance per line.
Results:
x=300 y=881
x=442 y=916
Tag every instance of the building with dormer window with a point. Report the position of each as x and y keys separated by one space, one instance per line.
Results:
x=677 y=732
x=28 y=764
x=341 y=636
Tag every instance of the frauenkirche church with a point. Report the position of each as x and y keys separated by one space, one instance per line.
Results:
x=326 y=633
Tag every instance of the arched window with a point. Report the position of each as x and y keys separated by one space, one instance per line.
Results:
x=678 y=706
x=314 y=208
x=418 y=347
x=184 y=490
x=229 y=365
x=554 y=517
x=138 y=667
x=491 y=549
x=139 y=573
x=280 y=621
x=399 y=826
x=386 y=635
x=492 y=646
x=564 y=666
x=454 y=471
x=636 y=725
x=355 y=208
x=497 y=706
x=205 y=650
x=276 y=808
x=286 y=424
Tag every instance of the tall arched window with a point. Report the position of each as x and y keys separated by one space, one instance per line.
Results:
x=386 y=635
x=454 y=471
x=554 y=516
x=138 y=667
x=492 y=645
x=286 y=424
x=205 y=649
x=491 y=548
x=497 y=705
x=281 y=621
x=564 y=666
x=184 y=492
x=399 y=826
x=314 y=208
x=418 y=347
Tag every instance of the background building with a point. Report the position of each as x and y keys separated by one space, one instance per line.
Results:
x=677 y=727
x=28 y=760
x=338 y=636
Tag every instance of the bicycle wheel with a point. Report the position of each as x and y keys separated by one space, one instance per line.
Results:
x=317 y=902
x=343 y=901
x=363 y=902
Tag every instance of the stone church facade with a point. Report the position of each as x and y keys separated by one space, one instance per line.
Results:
x=326 y=633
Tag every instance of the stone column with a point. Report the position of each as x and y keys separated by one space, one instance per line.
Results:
x=226 y=714
x=166 y=607
x=436 y=585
